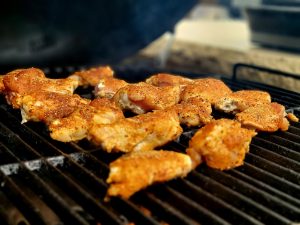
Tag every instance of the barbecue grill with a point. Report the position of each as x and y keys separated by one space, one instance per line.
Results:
x=43 y=181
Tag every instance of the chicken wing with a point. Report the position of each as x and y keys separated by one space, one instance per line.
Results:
x=265 y=117
x=91 y=77
x=222 y=144
x=48 y=106
x=241 y=100
x=107 y=87
x=76 y=126
x=137 y=170
x=142 y=132
x=165 y=79
x=142 y=97
x=19 y=83
x=194 y=112
x=208 y=88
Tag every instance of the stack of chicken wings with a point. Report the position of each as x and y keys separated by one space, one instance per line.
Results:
x=159 y=107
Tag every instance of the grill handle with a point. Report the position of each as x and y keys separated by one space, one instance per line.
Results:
x=238 y=66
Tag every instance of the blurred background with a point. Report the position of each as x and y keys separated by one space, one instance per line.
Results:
x=206 y=36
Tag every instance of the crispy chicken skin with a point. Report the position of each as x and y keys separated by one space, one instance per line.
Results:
x=207 y=88
x=265 y=117
x=137 y=170
x=221 y=144
x=142 y=97
x=165 y=79
x=142 y=132
x=91 y=77
x=19 y=83
x=107 y=87
x=194 y=112
x=240 y=100
x=48 y=106
x=76 y=126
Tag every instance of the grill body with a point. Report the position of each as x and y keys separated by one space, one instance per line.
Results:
x=47 y=182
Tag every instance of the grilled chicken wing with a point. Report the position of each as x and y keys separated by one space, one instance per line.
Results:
x=142 y=97
x=19 y=83
x=265 y=117
x=107 y=87
x=194 y=112
x=137 y=170
x=142 y=132
x=76 y=126
x=208 y=88
x=165 y=79
x=91 y=77
x=48 y=106
x=222 y=144
x=241 y=100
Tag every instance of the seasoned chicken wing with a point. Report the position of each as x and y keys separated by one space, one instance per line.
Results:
x=222 y=144
x=208 y=88
x=76 y=126
x=137 y=170
x=265 y=117
x=107 y=87
x=142 y=132
x=240 y=100
x=48 y=106
x=142 y=97
x=91 y=77
x=194 y=112
x=165 y=79
x=19 y=83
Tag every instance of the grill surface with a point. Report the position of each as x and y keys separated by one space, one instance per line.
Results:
x=47 y=182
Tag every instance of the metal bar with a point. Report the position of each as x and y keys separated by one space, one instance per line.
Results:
x=263 y=186
x=275 y=181
x=271 y=202
x=237 y=66
x=237 y=199
x=163 y=210
x=211 y=202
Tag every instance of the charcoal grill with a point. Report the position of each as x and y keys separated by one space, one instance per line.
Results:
x=47 y=182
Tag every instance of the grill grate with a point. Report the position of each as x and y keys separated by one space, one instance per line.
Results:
x=47 y=182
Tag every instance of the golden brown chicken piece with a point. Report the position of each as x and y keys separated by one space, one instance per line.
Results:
x=19 y=83
x=91 y=77
x=48 y=106
x=142 y=97
x=194 y=112
x=142 y=132
x=137 y=170
x=2 y=87
x=240 y=100
x=165 y=79
x=107 y=87
x=222 y=144
x=208 y=88
x=266 y=117
x=76 y=126
x=292 y=117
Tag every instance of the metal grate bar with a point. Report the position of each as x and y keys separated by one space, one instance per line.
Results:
x=163 y=210
x=275 y=158
x=275 y=181
x=236 y=199
x=263 y=186
x=273 y=168
x=216 y=205
x=265 y=199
